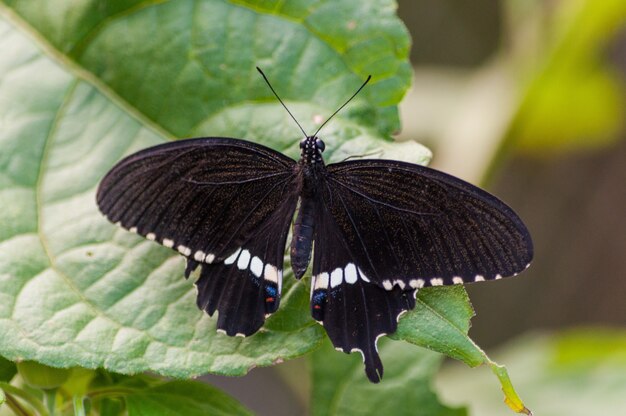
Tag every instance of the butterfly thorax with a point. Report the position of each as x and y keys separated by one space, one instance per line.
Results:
x=311 y=150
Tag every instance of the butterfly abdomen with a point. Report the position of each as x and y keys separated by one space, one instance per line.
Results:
x=302 y=240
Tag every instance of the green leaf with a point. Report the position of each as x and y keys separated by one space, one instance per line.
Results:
x=578 y=372
x=182 y=398
x=41 y=376
x=7 y=369
x=340 y=387
x=440 y=322
x=85 y=84
x=78 y=382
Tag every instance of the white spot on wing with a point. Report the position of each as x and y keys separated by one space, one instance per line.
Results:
x=321 y=281
x=417 y=283
x=239 y=334
x=221 y=331
x=400 y=283
x=199 y=256
x=133 y=230
x=185 y=251
x=479 y=278
x=233 y=257
x=498 y=276
x=336 y=276
x=256 y=266
x=350 y=273
x=151 y=236
x=244 y=260
x=457 y=280
x=387 y=284
x=168 y=243
x=209 y=258
x=436 y=281
x=270 y=273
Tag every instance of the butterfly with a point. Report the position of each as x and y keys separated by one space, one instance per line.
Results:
x=376 y=231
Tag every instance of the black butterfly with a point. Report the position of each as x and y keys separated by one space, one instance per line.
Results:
x=379 y=230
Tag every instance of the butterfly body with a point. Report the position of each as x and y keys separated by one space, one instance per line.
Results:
x=310 y=171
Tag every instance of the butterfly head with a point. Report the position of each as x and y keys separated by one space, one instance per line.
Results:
x=311 y=149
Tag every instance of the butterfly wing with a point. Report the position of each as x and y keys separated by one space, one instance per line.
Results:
x=225 y=204
x=412 y=226
x=393 y=227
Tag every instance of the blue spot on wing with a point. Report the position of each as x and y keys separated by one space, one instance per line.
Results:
x=271 y=291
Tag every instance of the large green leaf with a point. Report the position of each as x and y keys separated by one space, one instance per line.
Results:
x=340 y=388
x=84 y=83
x=189 y=398
x=440 y=322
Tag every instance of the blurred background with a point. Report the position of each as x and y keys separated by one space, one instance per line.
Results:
x=526 y=98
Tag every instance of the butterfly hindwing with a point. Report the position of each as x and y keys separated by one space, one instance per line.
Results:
x=354 y=311
x=411 y=226
x=246 y=286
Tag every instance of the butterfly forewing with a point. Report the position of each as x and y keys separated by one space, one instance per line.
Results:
x=412 y=226
x=202 y=197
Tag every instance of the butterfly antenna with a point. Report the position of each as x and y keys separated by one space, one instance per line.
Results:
x=281 y=101
x=344 y=104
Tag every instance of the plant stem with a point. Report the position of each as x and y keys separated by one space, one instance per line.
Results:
x=15 y=406
x=49 y=399
x=113 y=391
x=79 y=405
x=29 y=398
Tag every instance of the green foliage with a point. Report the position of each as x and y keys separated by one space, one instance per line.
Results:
x=110 y=394
x=41 y=376
x=182 y=397
x=578 y=372
x=7 y=369
x=339 y=387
